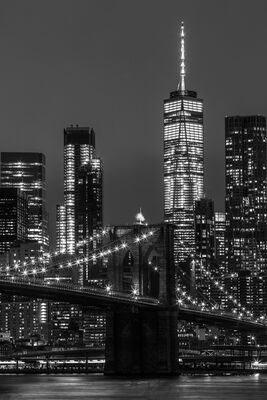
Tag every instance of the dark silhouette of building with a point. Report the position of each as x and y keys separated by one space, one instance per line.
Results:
x=205 y=244
x=13 y=217
x=89 y=212
x=26 y=171
x=79 y=149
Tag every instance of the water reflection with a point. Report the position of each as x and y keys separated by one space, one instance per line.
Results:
x=72 y=387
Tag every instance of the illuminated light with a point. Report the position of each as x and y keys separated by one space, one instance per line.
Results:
x=108 y=289
x=34 y=271
x=78 y=262
x=123 y=245
x=43 y=270
x=60 y=266
x=69 y=264
x=137 y=240
x=25 y=272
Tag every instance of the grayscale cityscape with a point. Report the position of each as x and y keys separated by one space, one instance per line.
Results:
x=133 y=244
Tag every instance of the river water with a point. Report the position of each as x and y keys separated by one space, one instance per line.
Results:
x=72 y=387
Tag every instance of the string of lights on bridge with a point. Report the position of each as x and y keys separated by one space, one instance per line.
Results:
x=22 y=269
x=229 y=296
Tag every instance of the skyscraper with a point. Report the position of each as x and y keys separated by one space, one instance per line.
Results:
x=183 y=161
x=26 y=171
x=246 y=202
x=80 y=219
x=246 y=208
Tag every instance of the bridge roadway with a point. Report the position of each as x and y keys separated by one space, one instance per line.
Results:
x=101 y=298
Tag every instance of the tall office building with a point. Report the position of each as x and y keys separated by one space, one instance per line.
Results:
x=183 y=161
x=80 y=218
x=13 y=217
x=246 y=202
x=26 y=171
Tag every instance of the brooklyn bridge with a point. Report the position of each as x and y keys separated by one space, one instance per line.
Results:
x=143 y=301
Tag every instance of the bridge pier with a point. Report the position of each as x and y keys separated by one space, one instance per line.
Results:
x=141 y=342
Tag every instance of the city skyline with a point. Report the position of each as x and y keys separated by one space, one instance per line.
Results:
x=128 y=88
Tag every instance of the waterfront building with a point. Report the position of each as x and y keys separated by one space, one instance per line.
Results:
x=26 y=171
x=183 y=161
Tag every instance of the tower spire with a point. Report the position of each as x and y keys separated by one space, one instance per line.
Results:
x=181 y=85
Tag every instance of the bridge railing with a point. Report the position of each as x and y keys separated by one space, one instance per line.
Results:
x=103 y=292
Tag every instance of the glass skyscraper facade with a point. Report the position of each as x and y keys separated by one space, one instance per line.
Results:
x=246 y=208
x=183 y=162
x=26 y=171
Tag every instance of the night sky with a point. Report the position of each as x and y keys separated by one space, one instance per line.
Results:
x=110 y=64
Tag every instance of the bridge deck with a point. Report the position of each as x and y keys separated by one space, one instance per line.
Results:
x=100 y=298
